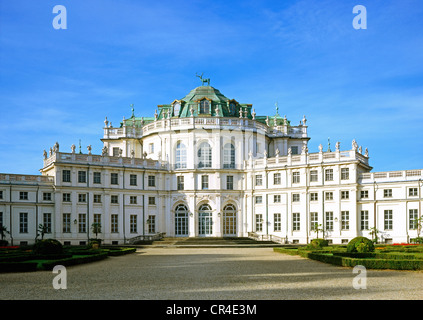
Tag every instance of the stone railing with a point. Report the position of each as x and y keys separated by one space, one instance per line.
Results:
x=23 y=178
x=61 y=157
x=307 y=158
x=204 y=122
x=402 y=175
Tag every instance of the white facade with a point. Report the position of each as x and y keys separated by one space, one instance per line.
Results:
x=206 y=166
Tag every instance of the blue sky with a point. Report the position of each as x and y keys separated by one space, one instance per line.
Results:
x=58 y=85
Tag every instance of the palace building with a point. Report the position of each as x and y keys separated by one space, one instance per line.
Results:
x=208 y=166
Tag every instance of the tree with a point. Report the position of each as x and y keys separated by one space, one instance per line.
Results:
x=317 y=228
x=3 y=232
x=42 y=230
x=374 y=232
x=96 y=228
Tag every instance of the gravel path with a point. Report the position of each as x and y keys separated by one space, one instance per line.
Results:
x=213 y=273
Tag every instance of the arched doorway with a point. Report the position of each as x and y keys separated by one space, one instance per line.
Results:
x=181 y=221
x=205 y=220
x=229 y=220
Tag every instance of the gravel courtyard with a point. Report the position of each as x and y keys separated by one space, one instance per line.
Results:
x=211 y=273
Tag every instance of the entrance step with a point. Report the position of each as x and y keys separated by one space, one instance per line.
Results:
x=213 y=242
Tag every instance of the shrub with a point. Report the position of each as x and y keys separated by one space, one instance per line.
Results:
x=360 y=244
x=48 y=246
x=316 y=244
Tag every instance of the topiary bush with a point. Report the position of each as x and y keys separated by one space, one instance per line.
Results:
x=361 y=245
x=316 y=244
x=48 y=246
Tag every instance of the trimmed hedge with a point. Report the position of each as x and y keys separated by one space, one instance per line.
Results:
x=360 y=244
x=18 y=266
x=49 y=265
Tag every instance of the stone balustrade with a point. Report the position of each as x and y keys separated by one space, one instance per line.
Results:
x=202 y=122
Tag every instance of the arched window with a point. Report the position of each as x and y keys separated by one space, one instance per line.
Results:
x=232 y=108
x=204 y=156
x=181 y=156
x=181 y=220
x=205 y=220
x=204 y=107
x=176 y=109
x=229 y=156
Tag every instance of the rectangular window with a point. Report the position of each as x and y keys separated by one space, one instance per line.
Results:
x=66 y=176
x=82 y=225
x=364 y=194
x=388 y=219
x=23 y=195
x=314 y=221
x=259 y=222
x=259 y=180
x=295 y=197
x=152 y=200
x=180 y=182
x=230 y=182
x=116 y=151
x=277 y=226
x=387 y=193
x=277 y=178
x=66 y=223
x=46 y=196
x=345 y=173
x=114 y=199
x=314 y=196
x=345 y=220
x=47 y=222
x=23 y=222
x=1 y=194
x=97 y=198
x=133 y=179
x=97 y=177
x=277 y=198
x=66 y=197
x=151 y=148
x=204 y=182
x=364 y=220
x=133 y=199
x=151 y=181
x=97 y=218
x=329 y=175
x=82 y=176
x=329 y=221
x=114 y=178
x=294 y=149
x=345 y=195
x=259 y=199
x=295 y=177
x=313 y=176
x=114 y=223
x=1 y=219
x=412 y=219
x=296 y=221
x=329 y=196
x=133 y=223
x=151 y=224
x=82 y=197
x=412 y=192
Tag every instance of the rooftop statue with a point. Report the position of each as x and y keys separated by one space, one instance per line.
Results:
x=203 y=81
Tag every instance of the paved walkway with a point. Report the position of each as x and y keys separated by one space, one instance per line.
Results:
x=212 y=273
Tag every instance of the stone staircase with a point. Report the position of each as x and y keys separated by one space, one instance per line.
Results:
x=211 y=242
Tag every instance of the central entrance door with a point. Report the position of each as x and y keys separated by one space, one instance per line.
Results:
x=229 y=220
x=205 y=220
